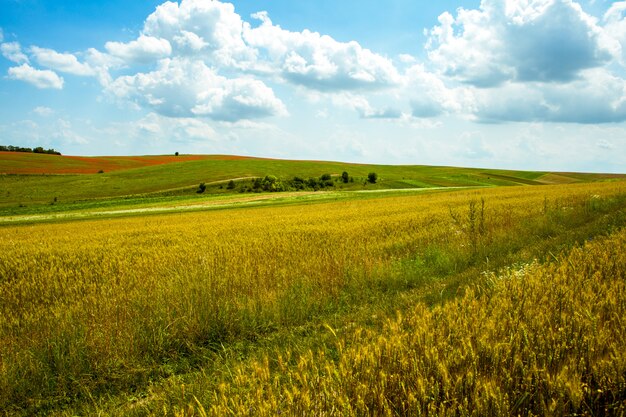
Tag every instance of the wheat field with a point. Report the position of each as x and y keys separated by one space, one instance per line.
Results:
x=95 y=309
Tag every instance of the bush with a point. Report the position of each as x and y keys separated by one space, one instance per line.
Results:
x=372 y=177
x=231 y=185
x=271 y=183
x=325 y=177
x=201 y=188
x=345 y=177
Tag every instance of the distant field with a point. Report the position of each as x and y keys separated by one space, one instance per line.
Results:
x=29 y=182
x=33 y=163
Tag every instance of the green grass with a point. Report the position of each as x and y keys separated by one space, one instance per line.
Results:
x=20 y=193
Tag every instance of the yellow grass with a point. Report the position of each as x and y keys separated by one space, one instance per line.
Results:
x=535 y=340
x=105 y=306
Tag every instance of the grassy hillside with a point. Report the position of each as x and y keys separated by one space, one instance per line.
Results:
x=37 y=163
x=182 y=175
x=283 y=309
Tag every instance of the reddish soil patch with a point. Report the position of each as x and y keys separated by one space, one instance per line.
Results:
x=28 y=163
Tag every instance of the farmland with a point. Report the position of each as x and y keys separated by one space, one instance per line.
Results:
x=498 y=299
x=131 y=181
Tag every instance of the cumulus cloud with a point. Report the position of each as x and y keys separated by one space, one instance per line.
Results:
x=407 y=59
x=318 y=61
x=187 y=88
x=62 y=62
x=213 y=32
x=615 y=25
x=43 y=111
x=144 y=49
x=597 y=97
x=39 y=78
x=508 y=60
x=363 y=107
x=13 y=52
x=200 y=27
x=180 y=129
x=540 y=40
x=430 y=97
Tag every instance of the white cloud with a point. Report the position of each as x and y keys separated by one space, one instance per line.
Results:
x=615 y=25
x=407 y=59
x=144 y=49
x=185 y=88
x=62 y=62
x=597 y=97
x=43 y=111
x=539 y=40
x=605 y=144
x=318 y=61
x=204 y=27
x=65 y=133
x=13 y=52
x=178 y=129
x=430 y=97
x=363 y=107
x=38 y=78
x=102 y=63
x=473 y=146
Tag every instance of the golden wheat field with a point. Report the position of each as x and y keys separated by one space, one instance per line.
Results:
x=538 y=339
x=94 y=310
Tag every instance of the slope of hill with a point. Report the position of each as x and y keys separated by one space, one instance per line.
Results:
x=28 y=180
x=37 y=163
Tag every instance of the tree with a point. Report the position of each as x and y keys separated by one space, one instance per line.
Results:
x=372 y=177
x=271 y=183
x=231 y=185
x=201 y=188
x=345 y=177
x=176 y=154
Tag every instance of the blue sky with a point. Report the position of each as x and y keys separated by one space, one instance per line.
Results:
x=526 y=84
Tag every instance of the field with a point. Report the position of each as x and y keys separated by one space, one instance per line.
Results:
x=482 y=301
x=130 y=181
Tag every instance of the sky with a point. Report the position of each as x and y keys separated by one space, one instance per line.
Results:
x=513 y=84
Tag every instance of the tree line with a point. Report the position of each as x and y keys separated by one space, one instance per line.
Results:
x=271 y=183
x=39 y=149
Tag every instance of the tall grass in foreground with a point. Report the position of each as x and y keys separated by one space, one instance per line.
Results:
x=102 y=307
x=536 y=340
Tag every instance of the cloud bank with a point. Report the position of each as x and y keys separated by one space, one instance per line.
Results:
x=505 y=61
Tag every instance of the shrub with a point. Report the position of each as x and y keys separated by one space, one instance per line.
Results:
x=201 y=188
x=231 y=185
x=372 y=177
x=345 y=177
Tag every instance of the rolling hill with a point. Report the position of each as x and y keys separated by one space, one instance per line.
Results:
x=35 y=179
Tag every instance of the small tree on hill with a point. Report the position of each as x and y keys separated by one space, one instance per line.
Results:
x=372 y=177
x=345 y=177
x=231 y=185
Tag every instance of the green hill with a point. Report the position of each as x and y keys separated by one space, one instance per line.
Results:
x=173 y=178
